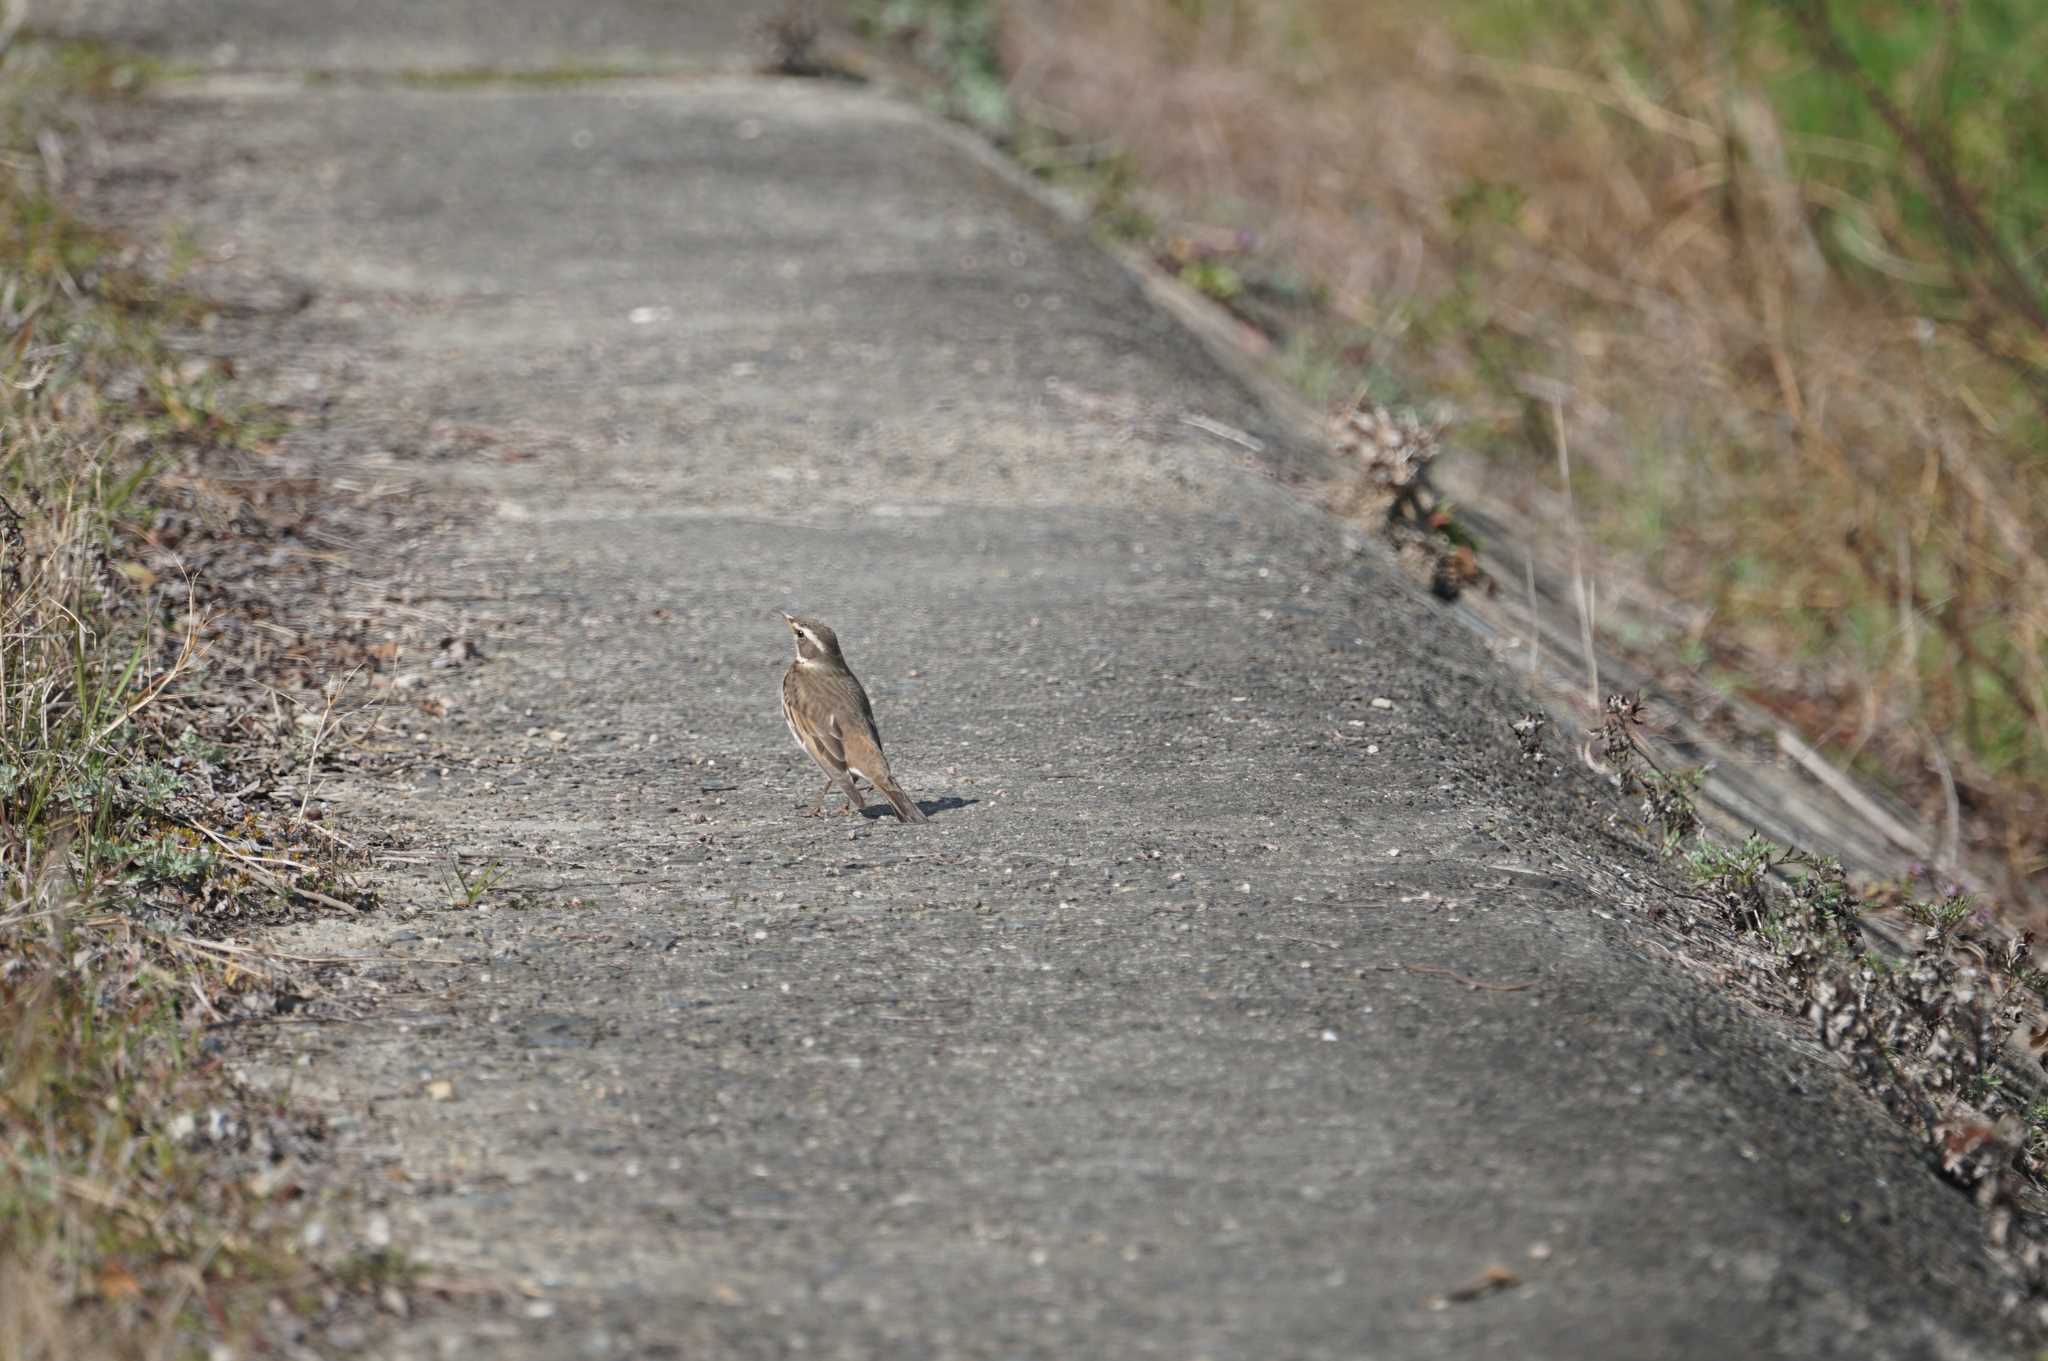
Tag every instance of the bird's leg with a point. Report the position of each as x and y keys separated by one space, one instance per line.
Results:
x=818 y=808
x=854 y=802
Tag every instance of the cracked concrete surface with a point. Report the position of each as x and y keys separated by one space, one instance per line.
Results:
x=1159 y=1038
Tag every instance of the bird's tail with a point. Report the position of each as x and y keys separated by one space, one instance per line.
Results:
x=905 y=806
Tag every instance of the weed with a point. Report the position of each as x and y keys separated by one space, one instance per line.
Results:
x=1389 y=454
x=1213 y=278
x=792 y=35
x=370 y=1270
x=468 y=888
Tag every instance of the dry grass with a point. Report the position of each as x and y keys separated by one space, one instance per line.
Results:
x=147 y=1202
x=1804 y=389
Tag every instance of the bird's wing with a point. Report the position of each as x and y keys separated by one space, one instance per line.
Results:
x=829 y=741
x=863 y=750
x=867 y=714
x=820 y=739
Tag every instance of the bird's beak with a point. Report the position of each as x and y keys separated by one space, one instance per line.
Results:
x=787 y=618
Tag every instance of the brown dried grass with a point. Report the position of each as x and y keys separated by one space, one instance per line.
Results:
x=1843 y=491
x=146 y=1200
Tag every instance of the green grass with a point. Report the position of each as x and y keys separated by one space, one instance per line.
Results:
x=1963 y=80
x=956 y=39
x=83 y=67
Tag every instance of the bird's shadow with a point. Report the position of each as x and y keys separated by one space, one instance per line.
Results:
x=929 y=807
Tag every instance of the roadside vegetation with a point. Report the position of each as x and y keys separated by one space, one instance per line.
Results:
x=150 y=1205
x=1938 y=1010
x=1777 y=265
x=1780 y=270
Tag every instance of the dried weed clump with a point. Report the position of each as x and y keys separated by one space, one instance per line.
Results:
x=1389 y=454
x=1776 y=262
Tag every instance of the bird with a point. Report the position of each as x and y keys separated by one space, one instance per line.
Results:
x=829 y=716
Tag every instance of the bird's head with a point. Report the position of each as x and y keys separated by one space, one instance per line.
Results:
x=814 y=641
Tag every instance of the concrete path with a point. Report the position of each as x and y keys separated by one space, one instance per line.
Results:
x=1247 y=994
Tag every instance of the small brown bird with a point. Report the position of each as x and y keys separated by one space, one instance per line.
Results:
x=829 y=715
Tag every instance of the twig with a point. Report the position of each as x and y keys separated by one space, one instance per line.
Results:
x=241 y=856
x=253 y=867
x=199 y=996
x=21 y=917
x=1845 y=789
x=235 y=953
x=319 y=735
x=1579 y=588
x=1949 y=858
x=233 y=1022
x=333 y=836
x=1229 y=434
x=1300 y=940
x=1535 y=623
x=1485 y=1283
